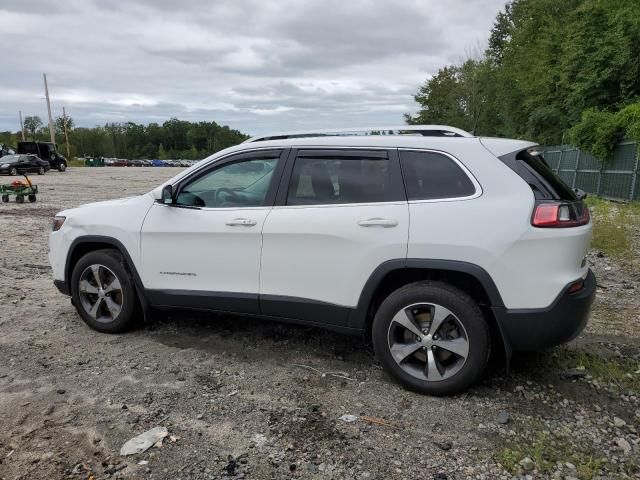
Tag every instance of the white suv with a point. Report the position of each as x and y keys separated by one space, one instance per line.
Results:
x=430 y=241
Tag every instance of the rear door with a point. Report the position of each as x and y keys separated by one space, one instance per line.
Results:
x=339 y=214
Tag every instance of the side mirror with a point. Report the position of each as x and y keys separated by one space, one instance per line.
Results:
x=167 y=195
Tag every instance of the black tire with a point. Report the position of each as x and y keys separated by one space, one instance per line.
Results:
x=113 y=260
x=62 y=167
x=5 y=198
x=41 y=171
x=19 y=198
x=459 y=304
x=13 y=171
x=32 y=198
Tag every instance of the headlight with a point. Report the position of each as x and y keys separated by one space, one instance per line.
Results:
x=57 y=223
x=4 y=165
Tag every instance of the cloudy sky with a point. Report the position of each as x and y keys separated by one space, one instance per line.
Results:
x=257 y=66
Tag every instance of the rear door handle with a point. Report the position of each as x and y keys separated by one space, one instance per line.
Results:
x=378 y=222
x=245 y=222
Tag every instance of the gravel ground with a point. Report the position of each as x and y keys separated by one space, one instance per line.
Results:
x=244 y=398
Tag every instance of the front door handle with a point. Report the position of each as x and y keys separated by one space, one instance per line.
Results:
x=245 y=222
x=378 y=222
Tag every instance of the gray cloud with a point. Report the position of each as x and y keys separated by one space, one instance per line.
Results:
x=255 y=65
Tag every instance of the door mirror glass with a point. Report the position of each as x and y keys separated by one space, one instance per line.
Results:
x=167 y=195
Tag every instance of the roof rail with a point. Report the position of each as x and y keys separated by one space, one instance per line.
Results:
x=424 y=130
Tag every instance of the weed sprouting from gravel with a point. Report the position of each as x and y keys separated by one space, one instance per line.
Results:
x=614 y=225
x=547 y=454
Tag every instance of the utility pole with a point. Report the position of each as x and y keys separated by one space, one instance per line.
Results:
x=52 y=130
x=21 y=125
x=66 y=136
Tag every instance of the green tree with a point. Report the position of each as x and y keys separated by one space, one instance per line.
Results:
x=31 y=125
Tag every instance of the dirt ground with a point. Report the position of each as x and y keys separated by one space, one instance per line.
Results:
x=244 y=398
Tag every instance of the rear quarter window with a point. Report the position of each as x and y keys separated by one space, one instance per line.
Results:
x=534 y=170
x=431 y=175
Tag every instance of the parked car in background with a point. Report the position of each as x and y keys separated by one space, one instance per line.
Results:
x=433 y=243
x=20 y=164
x=46 y=151
x=158 y=163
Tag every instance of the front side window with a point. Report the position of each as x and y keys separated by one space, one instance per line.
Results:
x=239 y=184
x=430 y=175
x=335 y=180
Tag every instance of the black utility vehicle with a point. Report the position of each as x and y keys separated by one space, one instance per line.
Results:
x=20 y=164
x=46 y=151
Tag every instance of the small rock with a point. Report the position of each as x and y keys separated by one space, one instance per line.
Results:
x=574 y=373
x=61 y=391
x=623 y=445
x=527 y=464
x=503 y=417
x=618 y=422
x=199 y=416
x=443 y=445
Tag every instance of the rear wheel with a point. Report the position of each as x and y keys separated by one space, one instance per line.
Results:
x=32 y=198
x=432 y=338
x=41 y=171
x=62 y=167
x=19 y=198
x=5 y=198
x=13 y=171
x=103 y=291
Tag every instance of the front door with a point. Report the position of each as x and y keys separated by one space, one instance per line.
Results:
x=204 y=251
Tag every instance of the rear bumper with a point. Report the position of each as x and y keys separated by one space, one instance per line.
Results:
x=537 y=329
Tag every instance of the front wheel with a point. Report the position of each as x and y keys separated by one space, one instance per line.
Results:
x=62 y=167
x=41 y=171
x=13 y=171
x=103 y=291
x=432 y=338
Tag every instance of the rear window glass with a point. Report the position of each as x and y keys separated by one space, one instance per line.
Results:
x=334 y=180
x=429 y=175
x=533 y=169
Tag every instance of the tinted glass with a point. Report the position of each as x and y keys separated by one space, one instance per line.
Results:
x=430 y=175
x=334 y=180
x=239 y=184
x=542 y=180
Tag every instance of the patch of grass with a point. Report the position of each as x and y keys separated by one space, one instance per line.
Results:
x=620 y=371
x=546 y=452
x=76 y=163
x=613 y=223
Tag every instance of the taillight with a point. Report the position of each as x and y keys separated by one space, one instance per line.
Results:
x=560 y=214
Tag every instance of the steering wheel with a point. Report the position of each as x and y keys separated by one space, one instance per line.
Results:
x=223 y=195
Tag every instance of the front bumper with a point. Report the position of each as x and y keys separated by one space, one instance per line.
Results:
x=537 y=329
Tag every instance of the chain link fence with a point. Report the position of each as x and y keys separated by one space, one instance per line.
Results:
x=618 y=178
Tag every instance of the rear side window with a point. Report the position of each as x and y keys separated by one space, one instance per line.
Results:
x=334 y=179
x=430 y=175
x=533 y=169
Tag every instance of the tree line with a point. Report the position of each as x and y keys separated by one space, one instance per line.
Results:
x=554 y=72
x=172 y=139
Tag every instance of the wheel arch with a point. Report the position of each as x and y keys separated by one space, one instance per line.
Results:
x=90 y=243
x=393 y=274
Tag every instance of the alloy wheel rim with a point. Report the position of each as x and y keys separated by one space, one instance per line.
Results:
x=428 y=341
x=100 y=292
